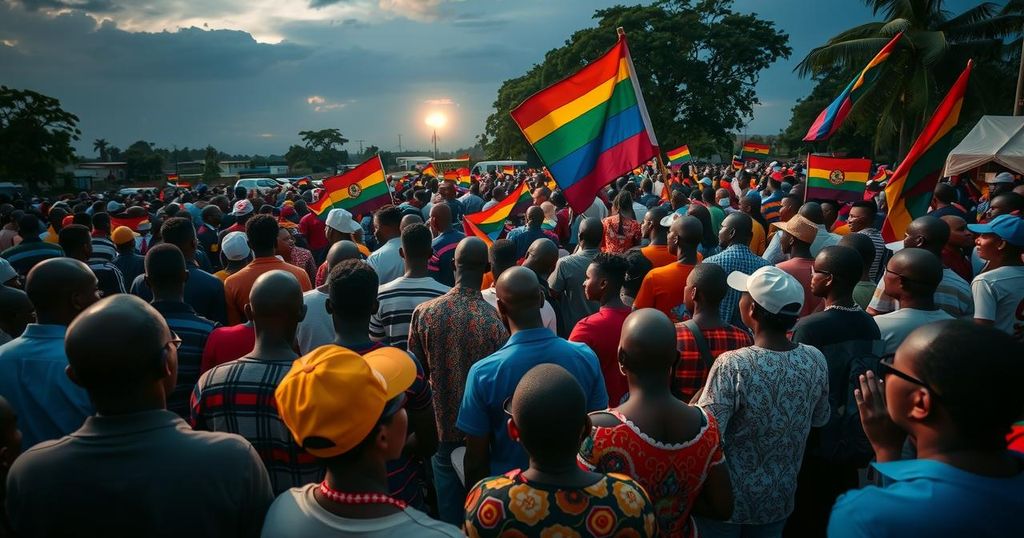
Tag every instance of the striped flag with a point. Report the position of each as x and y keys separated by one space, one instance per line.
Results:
x=359 y=191
x=508 y=170
x=909 y=191
x=832 y=117
x=591 y=127
x=428 y=170
x=488 y=224
x=679 y=156
x=753 y=150
x=737 y=163
x=842 y=180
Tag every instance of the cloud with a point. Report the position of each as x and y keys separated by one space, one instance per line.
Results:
x=93 y=6
x=266 y=135
x=315 y=100
x=440 y=102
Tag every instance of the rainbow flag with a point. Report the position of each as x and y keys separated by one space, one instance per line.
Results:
x=679 y=156
x=909 y=191
x=832 y=117
x=489 y=224
x=510 y=170
x=460 y=176
x=359 y=191
x=753 y=150
x=591 y=127
x=737 y=163
x=842 y=180
x=428 y=170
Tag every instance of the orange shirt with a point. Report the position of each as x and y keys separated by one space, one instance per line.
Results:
x=658 y=255
x=238 y=285
x=488 y=281
x=662 y=289
x=842 y=229
x=759 y=242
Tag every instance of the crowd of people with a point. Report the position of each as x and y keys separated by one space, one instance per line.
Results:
x=701 y=352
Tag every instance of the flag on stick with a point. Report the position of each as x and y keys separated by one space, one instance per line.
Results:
x=360 y=190
x=843 y=180
x=591 y=127
x=909 y=191
x=753 y=150
x=679 y=156
x=488 y=224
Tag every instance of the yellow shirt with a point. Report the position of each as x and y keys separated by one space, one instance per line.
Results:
x=759 y=243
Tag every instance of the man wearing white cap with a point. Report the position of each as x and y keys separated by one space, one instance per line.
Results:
x=234 y=248
x=339 y=226
x=766 y=398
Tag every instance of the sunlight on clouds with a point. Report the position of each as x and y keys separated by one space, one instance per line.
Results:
x=444 y=101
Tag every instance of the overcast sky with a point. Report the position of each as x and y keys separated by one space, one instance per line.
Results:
x=247 y=75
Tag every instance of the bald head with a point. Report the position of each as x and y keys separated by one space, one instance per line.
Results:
x=549 y=409
x=737 y=229
x=929 y=233
x=812 y=211
x=687 y=229
x=116 y=364
x=341 y=251
x=60 y=288
x=542 y=256
x=843 y=263
x=648 y=343
x=471 y=255
x=917 y=271
x=440 y=217
x=409 y=220
x=519 y=295
x=591 y=232
x=275 y=303
x=710 y=284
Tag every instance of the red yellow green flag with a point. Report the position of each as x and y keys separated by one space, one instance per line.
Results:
x=909 y=191
x=842 y=180
x=359 y=191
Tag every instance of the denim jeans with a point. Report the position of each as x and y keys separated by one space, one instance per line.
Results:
x=451 y=494
x=710 y=528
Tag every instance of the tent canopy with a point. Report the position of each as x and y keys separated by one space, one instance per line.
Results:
x=998 y=139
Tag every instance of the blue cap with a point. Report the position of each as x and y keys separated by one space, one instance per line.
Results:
x=706 y=181
x=1007 y=227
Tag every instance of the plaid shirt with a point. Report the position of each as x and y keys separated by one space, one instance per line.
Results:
x=238 y=397
x=690 y=373
x=735 y=258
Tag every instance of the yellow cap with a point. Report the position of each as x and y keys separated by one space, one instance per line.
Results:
x=122 y=235
x=332 y=398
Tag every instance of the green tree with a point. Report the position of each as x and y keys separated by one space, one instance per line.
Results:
x=142 y=161
x=697 y=62
x=100 y=146
x=934 y=50
x=35 y=135
x=211 y=167
x=324 y=148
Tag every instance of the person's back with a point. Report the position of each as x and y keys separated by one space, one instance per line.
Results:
x=566 y=282
x=134 y=454
x=262 y=231
x=25 y=255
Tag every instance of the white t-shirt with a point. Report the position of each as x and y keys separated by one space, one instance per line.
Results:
x=387 y=261
x=896 y=326
x=547 y=314
x=317 y=328
x=999 y=297
x=296 y=513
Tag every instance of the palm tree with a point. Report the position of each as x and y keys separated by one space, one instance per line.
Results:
x=100 y=146
x=934 y=50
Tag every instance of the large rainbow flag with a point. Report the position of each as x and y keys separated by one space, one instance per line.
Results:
x=832 y=117
x=488 y=224
x=359 y=191
x=591 y=127
x=909 y=191
x=753 y=150
x=842 y=180
x=679 y=156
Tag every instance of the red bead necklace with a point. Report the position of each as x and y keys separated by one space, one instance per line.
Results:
x=359 y=498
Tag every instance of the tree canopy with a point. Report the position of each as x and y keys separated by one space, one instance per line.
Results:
x=35 y=135
x=697 y=62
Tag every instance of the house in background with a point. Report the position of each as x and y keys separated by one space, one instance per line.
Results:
x=86 y=174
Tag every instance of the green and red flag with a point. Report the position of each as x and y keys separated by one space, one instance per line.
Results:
x=359 y=191
x=909 y=191
x=831 y=178
x=488 y=224
x=753 y=150
x=679 y=156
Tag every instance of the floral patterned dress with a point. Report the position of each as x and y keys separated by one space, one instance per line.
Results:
x=618 y=243
x=673 y=474
x=510 y=506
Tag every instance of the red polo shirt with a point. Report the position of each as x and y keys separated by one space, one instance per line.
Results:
x=601 y=332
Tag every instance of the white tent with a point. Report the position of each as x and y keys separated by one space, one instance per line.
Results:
x=996 y=139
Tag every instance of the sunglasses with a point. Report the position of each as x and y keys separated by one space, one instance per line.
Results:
x=886 y=368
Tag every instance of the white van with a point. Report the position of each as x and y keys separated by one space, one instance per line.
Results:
x=261 y=184
x=483 y=167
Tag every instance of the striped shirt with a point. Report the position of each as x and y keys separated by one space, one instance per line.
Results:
x=881 y=253
x=953 y=296
x=193 y=331
x=238 y=397
x=109 y=278
x=103 y=250
x=25 y=256
x=398 y=299
x=440 y=264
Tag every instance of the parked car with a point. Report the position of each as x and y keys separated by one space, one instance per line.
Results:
x=261 y=184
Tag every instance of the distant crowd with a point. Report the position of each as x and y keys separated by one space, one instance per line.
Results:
x=701 y=352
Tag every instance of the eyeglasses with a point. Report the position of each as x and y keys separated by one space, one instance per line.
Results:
x=174 y=341
x=885 y=368
x=907 y=278
x=507 y=406
x=817 y=272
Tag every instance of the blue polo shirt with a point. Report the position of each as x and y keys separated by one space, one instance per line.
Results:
x=493 y=379
x=33 y=381
x=930 y=498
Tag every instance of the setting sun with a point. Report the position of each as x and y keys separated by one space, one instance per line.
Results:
x=436 y=120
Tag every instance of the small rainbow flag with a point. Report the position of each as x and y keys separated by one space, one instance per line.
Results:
x=737 y=163
x=428 y=170
x=832 y=117
x=591 y=127
x=678 y=156
x=489 y=224
x=509 y=170
x=753 y=150
x=909 y=191
x=359 y=191
x=460 y=176
x=842 y=180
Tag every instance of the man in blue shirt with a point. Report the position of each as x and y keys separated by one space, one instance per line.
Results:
x=446 y=238
x=32 y=366
x=735 y=236
x=524 y=236
x=493 y=379
x=954 y=387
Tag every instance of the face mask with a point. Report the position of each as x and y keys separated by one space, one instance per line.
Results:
x=724 y=202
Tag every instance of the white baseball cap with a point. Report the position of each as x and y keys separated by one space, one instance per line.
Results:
x=7 y=271
x=242 y=207
x=235 y=246
x=113 y=206
x=341 y=220
x=1001 y=177
x=772 y=288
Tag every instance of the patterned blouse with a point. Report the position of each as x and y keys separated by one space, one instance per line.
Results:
x=618 y=243
x=510 y=506
x=674 y=474
x=303 y=259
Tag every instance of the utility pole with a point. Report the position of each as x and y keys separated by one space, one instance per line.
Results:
x=399 y=142
x=360 y=146
x=1018 y=102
